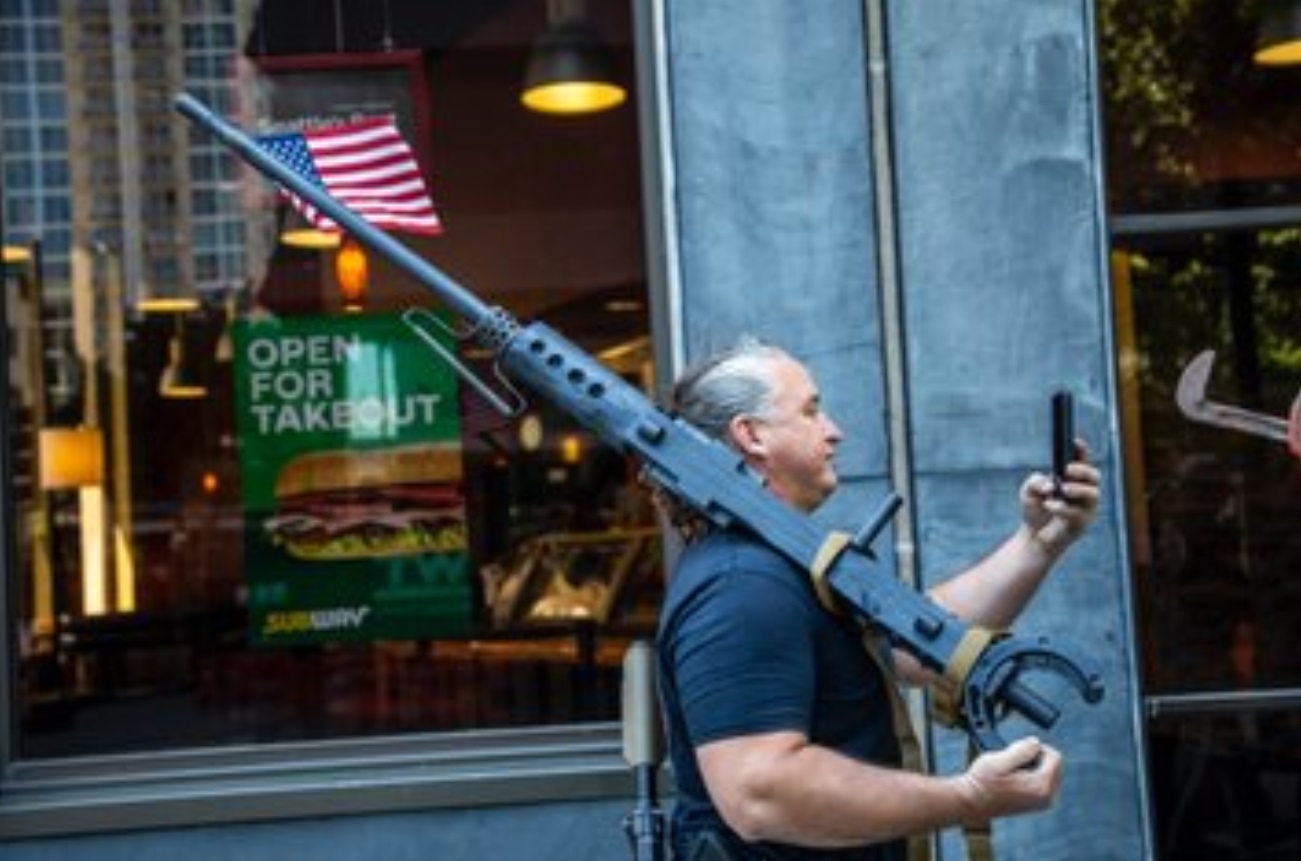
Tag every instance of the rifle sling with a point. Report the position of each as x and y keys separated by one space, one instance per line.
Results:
x=945 y=696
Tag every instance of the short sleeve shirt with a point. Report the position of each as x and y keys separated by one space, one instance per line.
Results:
x=745 y=648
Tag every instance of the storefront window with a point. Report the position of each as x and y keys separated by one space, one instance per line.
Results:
x=270 y=511
x=1205 y=191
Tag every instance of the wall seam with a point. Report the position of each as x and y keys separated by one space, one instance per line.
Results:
x=892 y=326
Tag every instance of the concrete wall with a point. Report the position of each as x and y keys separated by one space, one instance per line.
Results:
x=1000 y=248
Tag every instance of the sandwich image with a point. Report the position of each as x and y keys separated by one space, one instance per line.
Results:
x=358 y=504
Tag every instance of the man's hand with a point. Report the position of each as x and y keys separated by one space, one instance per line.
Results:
x=1022 y=777
x=1055 y=521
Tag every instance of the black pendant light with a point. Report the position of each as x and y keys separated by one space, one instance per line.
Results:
x=571 y=68
x=1278 y=40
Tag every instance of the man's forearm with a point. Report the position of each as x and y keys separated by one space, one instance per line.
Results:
x=994 y=591
x=808 y=795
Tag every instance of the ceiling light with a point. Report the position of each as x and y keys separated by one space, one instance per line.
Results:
x=167 y=304
x=571 y=68
x=297 y=232
x=1278 y=41
x=17 y=254
x=179 y=379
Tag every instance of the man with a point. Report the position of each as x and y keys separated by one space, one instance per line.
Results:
x=779 y=720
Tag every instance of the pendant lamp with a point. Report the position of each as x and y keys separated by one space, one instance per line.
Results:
x=1278 y=39
x=571 y=68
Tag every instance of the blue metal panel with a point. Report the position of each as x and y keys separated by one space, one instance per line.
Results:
x=774 y=193
x=1001 y=256
x=1001 y=250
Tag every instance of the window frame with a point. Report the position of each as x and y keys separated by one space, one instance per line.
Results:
x=302 y=779
x=1246 y=219
x=205 y=786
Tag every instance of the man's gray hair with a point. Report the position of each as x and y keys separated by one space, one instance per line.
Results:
x=708 y=395
x=736 y=381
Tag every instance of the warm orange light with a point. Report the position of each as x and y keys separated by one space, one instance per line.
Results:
x=17 y=254
x=309 y=238
x=571 y=448
x=352 y=270
x=167 y=304
x=210 y=482
x=178 y=380
x=1278 y=38
x=567 y=98
x=71 y=457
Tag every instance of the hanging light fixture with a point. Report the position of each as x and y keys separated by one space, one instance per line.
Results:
x=352 y=271
x=1278 y=39
x=17 y=255
x=297 y=232
x=571 y=69
x=178 y=379
x=157 y=303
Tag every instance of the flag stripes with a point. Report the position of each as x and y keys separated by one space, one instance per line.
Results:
x=367 y=166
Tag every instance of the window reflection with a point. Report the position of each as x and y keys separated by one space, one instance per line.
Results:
x=1219 y=504
x=1224 y=785
x=543 y=217
x=1203 y=182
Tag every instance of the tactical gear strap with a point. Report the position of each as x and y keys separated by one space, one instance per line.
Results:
x=980 y=842
x=910 y=750
x=946 y=707
x=945 y=694
x=832 y=546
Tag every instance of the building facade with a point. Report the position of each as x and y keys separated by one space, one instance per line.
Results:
x=949 y=210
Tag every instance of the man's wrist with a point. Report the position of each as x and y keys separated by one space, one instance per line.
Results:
x=971 y=799
x=1045 y=545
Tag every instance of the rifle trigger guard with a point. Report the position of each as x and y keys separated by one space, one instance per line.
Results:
x=993 y=687
x=420 y=321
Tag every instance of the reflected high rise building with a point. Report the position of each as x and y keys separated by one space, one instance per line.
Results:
x=127 y=207
x=97 y=162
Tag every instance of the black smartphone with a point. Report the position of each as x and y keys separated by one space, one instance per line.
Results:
x=1063 y=406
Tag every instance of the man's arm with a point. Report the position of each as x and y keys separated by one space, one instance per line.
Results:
x=994 y=591
x=779 y=787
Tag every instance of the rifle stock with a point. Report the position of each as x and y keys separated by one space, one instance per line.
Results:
x=710 y=478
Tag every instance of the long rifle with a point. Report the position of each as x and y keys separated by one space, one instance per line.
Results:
x=983 y=671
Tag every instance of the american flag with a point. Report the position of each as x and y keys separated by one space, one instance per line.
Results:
x=366 y=166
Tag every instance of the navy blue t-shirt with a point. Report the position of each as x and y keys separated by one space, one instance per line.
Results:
x=745 y=648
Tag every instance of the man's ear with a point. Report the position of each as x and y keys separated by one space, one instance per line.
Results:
x=745 y=436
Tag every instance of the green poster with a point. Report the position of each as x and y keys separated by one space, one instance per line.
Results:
x=352 y=481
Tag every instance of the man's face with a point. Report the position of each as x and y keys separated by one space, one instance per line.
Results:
x=793 y=444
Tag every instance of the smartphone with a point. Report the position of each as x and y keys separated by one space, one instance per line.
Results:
x=1063 y=407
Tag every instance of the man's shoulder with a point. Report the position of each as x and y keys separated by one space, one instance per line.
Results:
x=730 y=570
x=734 y=548
x=731 y=554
